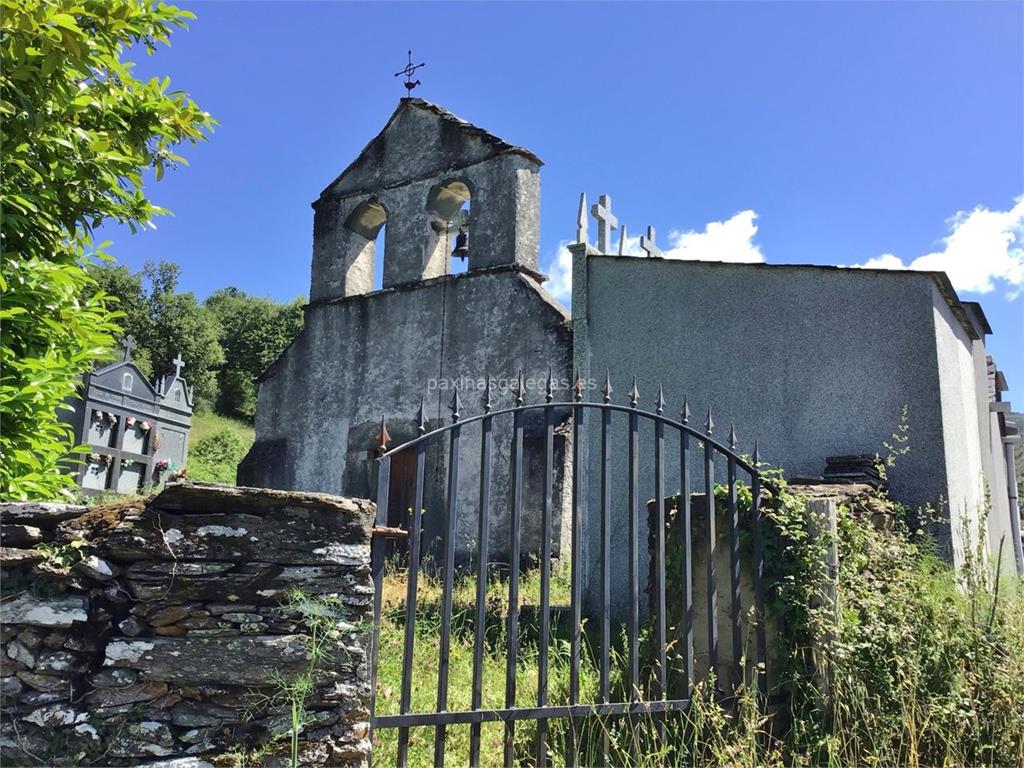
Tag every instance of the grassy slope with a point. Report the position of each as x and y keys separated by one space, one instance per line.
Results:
x=204 y=424
x=218 y=465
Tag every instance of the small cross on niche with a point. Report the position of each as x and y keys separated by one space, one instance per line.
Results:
x=178 y=364
x=606 y=222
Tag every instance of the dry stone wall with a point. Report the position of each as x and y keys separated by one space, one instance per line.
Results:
x=178 y=630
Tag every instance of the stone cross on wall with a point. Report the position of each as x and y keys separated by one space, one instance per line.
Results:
x=129 y=346
x=606 y=222
x=622 y=240
x=178 y=363
x=648 y=245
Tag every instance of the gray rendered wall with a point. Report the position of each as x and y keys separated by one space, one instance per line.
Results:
x=367 y=356
x=811 y=362
x=966 y=431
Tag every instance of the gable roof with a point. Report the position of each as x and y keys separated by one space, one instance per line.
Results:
x=140 y=377
x=165 y=387
x=477 y=145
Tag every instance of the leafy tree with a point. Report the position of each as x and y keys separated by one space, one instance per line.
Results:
x=254 y=331
x=79 y=132
x=180 y=325
x=133 y=302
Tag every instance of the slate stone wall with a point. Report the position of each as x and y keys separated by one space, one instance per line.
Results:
x=164 y=631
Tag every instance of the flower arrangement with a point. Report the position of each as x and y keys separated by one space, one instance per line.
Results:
x=146 y=426
x=99 y=415
x=99 y=458
x=129 y=421
x=161 y=465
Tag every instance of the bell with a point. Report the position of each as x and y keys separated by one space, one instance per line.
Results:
x=461 y=244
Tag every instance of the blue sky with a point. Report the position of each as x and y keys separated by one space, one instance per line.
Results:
x=831 y=133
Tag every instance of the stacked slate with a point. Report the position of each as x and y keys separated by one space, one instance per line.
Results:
x=859 y=468
x=160 y=632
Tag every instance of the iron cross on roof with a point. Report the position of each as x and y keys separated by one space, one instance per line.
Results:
x=410 y=68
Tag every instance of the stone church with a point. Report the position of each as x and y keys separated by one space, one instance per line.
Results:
x=812 y=361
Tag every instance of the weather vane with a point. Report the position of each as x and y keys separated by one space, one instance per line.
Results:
x=410 y=68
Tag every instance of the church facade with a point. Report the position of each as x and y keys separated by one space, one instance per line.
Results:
x=812 y=361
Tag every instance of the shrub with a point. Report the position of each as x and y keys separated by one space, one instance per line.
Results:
x=214 y=458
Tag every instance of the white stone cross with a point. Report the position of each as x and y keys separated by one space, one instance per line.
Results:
x=622 y=240
x=178 y=363
x=648 y=245
x=606 y=222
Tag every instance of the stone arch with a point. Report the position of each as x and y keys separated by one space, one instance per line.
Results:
x=445 y=203
x=366 y=222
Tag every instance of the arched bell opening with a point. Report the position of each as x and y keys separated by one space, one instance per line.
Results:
x=448 y=240
x=364 y=263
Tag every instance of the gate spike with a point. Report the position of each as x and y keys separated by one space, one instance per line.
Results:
x=421 y=419
x=660 y=403
x=757 y=455
x=607 y=390
x=455 y=406
x=578 y=388
x=733 y=441
x=634 y=395
x=486 y=399
x=383 y=436
x=709 y=426
x=520 y=388
x=549 y=389
x=685 y=413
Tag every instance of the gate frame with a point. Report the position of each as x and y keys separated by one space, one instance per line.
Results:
x=574 y=710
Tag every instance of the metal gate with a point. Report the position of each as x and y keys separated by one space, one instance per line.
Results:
x=645 y=696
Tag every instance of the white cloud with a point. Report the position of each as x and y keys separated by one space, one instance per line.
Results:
x=983 y=248
x=729 y=240
x=560 y=273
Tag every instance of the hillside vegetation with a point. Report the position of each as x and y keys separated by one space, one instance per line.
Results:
x=216 y=445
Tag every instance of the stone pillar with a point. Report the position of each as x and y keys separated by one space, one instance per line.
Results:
x=1009 y=450
x=823 y=527
x=343 y=250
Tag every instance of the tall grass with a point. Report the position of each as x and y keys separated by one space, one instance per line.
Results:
x=925 y=667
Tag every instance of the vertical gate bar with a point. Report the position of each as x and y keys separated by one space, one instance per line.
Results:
x=577 y=539
x=483 y=537
x=545 y=574
x=449 y=575
x=734 y=577
x=712 y=568
x=410 y=601
x=686 y=532
x=634 y=547
x=377 y=545
x=513 y=581
x=606 y=545
x=762 y=637
x=659 y=570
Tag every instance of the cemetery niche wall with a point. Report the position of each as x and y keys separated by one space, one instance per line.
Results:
x=137 y=432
